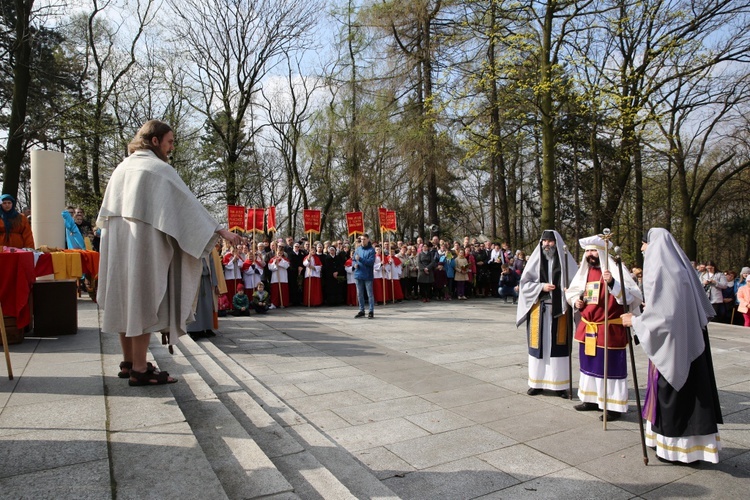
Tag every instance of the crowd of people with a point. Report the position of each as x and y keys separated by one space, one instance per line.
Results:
x=727 y=291
x=305 y=273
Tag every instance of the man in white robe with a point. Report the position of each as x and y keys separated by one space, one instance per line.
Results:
x=542 y=306
x=154 y=233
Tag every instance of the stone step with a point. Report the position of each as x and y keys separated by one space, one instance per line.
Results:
x=242 y=468
x=310 y=460
x=153 y=452
x=233 y=385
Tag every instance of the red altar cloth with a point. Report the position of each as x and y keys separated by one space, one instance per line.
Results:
x=44 y=265
x=16 y=278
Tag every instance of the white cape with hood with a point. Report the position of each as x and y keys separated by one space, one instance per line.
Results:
x=677 y=310
x=154 y=233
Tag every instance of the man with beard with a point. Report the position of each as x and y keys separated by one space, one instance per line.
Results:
x=541 y=304
x=587 y=294
x=682 y=404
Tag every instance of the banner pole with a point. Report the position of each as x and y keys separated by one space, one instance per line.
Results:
x=382 y=264
x=310 y=259
x=393 y=270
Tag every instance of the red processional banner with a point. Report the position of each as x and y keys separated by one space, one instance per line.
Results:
x=355 y=222
x=390 y=221
x=271 y=219
x=236 y=217
x=255 y=219
x=312 y=220
x=382 y=214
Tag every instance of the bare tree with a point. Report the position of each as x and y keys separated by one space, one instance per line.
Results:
x=289 y=110
x=232 y=45
x=111 y=56
x=702 y=126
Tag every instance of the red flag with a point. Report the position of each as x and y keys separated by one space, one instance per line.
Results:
x=312 y=221
x=255 y=219
x=390 y=221
x=236 y=217
x=382 y=213
x=355 y=221
x=271 y=219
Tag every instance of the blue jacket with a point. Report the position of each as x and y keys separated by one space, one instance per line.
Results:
x=73 y=236
x=449 y=265
x=364 y=262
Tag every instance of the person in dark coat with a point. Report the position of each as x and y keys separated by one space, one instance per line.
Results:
x=295 y=255
x=426 y=267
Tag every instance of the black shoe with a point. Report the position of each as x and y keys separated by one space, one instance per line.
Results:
x=209 y=333
x=533 y=392
x=563 y=394
x=586 y=407
x=370 y=315
x=360 y=314
x=611 y=416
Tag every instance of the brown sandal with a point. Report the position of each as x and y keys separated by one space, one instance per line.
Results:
x=148 y=378
x=127 y=365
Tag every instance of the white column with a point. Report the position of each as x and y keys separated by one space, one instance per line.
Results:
x=47 y=197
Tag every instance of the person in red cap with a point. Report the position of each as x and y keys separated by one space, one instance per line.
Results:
x=241 y=302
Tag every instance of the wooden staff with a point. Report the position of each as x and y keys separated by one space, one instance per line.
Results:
x=392 y=271
x=607 y=234
x=382 y=264
x=5 y=344
x=568 y=324
x=618 y=260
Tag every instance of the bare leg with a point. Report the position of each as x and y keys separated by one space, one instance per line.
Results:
x=127 y=347
x=139 y=350
x=127 y=353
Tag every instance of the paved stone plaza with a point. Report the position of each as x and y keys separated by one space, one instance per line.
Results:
x=425 y=401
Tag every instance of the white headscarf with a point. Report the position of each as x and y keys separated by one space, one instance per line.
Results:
x=677 y=310
x=578 y=285
x=529 y=286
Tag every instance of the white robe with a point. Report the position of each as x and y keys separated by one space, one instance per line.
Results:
x=154 y=233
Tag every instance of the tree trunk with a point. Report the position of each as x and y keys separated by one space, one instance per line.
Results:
x=548 y=122
x=14 y=151
x=638 y=165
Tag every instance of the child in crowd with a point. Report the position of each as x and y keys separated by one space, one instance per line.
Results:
x=224 y=305
x=462 y=274
x=260 y=299
x=241 y=302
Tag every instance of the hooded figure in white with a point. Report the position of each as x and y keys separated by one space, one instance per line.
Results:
x=542 y=306
x=681 y=407
x=588 y=295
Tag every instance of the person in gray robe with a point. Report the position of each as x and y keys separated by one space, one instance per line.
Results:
x=204 y=310
x=542 y=306
x=154 y=233
x=681 y=408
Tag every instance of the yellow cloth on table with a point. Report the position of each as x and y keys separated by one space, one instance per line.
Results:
x=66 y=265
